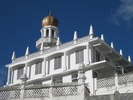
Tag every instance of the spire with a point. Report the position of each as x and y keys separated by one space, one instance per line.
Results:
x=91 y=33
x=75 y=36
x=102 y=37
x=129 y=58
x=13 y=55
x=112 y=45
x=121 y=52
x=41 y=48
x=58 y=43
x=50 y=13
x=27 y=51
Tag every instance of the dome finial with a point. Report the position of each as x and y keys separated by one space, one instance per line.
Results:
x=50 y=13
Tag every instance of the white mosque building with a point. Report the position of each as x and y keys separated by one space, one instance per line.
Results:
x=87 y=61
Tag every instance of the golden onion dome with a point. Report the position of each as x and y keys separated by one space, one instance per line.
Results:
x=50 y=20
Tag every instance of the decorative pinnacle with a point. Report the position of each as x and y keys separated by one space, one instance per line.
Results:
x=42 y=48
x=50 y=13
x=91 y=33
x=13 y=55
x=129 y=58
x=27 y=51
x=112 y=45
x=58 y=43
x=75 y=36
x=121 y=52
x=102 y=37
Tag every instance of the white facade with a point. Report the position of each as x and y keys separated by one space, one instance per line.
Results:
x=59 y=63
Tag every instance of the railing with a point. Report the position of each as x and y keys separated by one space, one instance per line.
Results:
x=125 y=78
x=64 y=91
x=9 y=93
x=36 y=93
x=39 y=91
x=108 y=82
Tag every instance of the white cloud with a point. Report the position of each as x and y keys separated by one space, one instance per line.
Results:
x=124 y=12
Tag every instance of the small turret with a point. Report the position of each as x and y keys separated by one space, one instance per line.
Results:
x=49 y=32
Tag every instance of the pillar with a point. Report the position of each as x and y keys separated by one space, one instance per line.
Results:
x=25 y=68
x=47 y=66
x=87 y=54
x=90 y=54
x=12 y=76
x=44 y=33
x=90 y=80
x=81 y=76
x=65 y=62
x=44 y=67
x=50 y=32
x=116 y=80
x=8 y=78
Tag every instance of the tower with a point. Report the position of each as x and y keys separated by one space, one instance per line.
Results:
x=49 y=32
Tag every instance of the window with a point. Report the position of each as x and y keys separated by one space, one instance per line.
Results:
x=57 y=80
x=74 y=77
x=57 y=63
x=20 y=72
x=38 y=68
x=79 y=56
x=97 y=56
x=52 y=33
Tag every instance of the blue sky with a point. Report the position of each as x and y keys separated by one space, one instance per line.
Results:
x=20 y=24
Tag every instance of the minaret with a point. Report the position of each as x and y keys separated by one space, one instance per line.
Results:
x=49 y=32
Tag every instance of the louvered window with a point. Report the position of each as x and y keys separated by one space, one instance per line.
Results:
x=57 y=63
x=79 y=56
x=20 y=72
x=38 y=68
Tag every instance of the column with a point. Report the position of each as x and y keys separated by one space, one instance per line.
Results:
x=8 y=78
x=55 y=34
x=90 y=54
x=44 y=67
x=12 y=76
x=65 y=62
x=90 y=80
x=50 y=32
x=47 y=70
x=25 y=68
x=87 y=53
x=44 y=34
x=116 y=80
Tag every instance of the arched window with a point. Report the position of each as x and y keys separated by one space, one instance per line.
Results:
x=47 y=33
x=52 y=33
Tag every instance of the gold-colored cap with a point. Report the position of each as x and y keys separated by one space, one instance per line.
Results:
x=50 y=20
